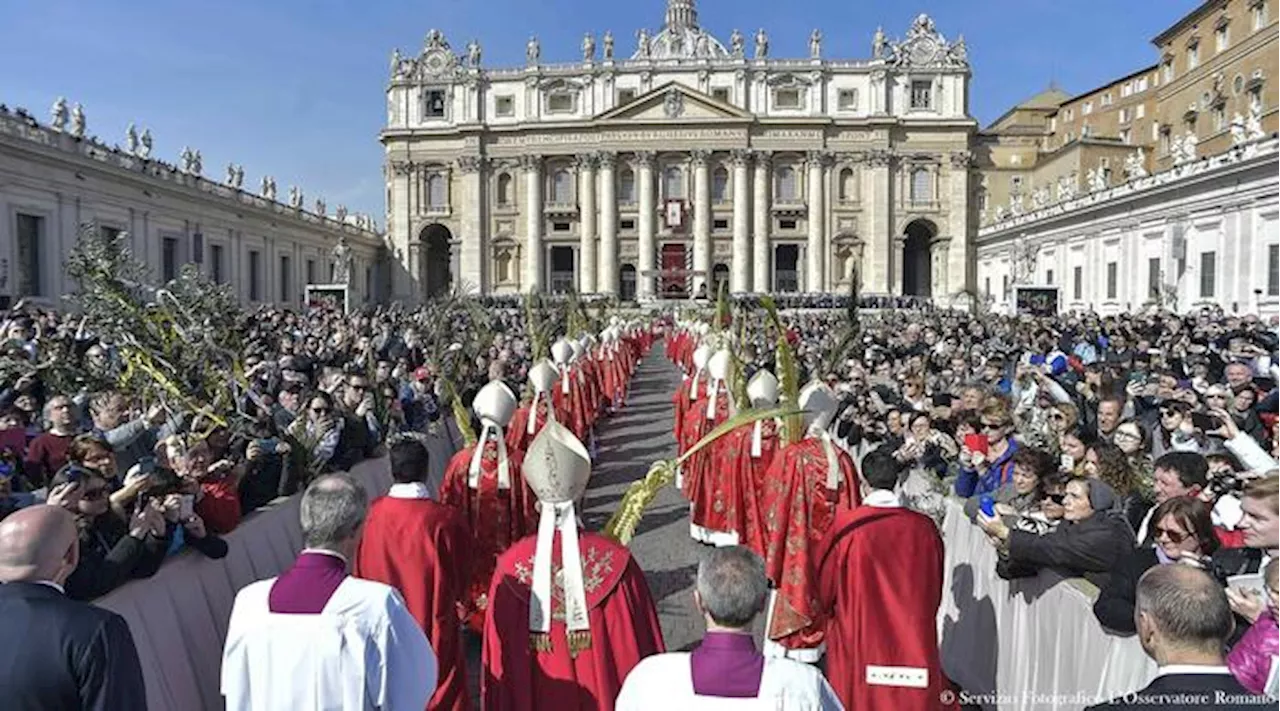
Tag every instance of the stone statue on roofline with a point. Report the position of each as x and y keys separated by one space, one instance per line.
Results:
x=532 y=51
x=737 y=43
x=815 y=44
x=878 y=43
x=608 y=45
x=78 y=124
x=131 y=139
x=59 y=114
x=145 y=151
x=473 y=54
x=588 y=47
x=762 y=44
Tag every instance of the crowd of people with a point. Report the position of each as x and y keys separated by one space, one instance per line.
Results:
x=1136 y=451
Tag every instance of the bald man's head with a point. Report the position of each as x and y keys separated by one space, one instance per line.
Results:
x=38 y=543
x=1181 y=608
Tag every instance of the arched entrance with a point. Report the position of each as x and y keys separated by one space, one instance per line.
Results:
x=627 y=282
x=719 y=275
x=917 y=269
x=434 y=266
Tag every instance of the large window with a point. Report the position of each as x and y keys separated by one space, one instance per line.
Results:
x=719 y=184
x=255 y=275
x=786 y=99
x=1221 y=36
x=847 y=100
x=626 y=187
x=785 y=185
x=1153 y=277
x=921 y=186
x=286 y=278
x=1193 y=56
x=437 y=192
x=218 y=265
x=1113 y=280
x=504 y=106
x=673 y=183
x=922 y=94
x=311 y=271
x=1273 y=270
x=560 y=102
x=169 y=258
x=1259 y=14
x=562 y=187
x=30 y=242
x=1208 y=274
x=1077 y=283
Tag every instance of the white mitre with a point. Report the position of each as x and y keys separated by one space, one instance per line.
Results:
x=495 y=404
x=762 y=390
x=820 y=403
x=557 y=468
x=717 y=372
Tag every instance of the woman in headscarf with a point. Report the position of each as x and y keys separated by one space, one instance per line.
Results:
x=1092 y=538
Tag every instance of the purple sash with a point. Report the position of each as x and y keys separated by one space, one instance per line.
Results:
x=727 y=664
x=306 y=588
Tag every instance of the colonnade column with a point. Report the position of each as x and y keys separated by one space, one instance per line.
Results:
x=701 y=223
x=533 y=222
x=474 y=248
x=760 y=256
x=897 y=265
x=741 y=273
x=608 y=272
x=587 y=239
x=817 y=222
x=648 y=209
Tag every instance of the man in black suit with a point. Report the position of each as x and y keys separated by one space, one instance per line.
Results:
x=1184 y=622
x=56 y=653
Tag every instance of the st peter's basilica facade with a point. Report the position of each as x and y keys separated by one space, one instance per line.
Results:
x=679 y=162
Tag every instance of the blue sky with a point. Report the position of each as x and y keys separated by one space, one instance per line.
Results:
x=294 y=88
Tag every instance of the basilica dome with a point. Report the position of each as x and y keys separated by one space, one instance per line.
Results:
x=680 y=38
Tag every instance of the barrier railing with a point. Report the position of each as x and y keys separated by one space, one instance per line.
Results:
x=179 y=616
x=1025 y=644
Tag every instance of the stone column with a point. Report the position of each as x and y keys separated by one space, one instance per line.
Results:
x=404 y=280
x=896 y=263
x=877 y=194
x=817 y=245
x=939 y=278
x=741 y=271
x=701 y=222
x=473 y=245
x=648 y=211
x=533 y=222
x=957 y=250
x=760 y=249
x=587 y=237
x=608 y=274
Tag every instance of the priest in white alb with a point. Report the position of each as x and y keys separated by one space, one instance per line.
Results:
x=316 y=638
x=727 y=670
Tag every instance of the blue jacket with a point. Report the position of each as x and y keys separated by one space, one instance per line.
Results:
x=1000 y=471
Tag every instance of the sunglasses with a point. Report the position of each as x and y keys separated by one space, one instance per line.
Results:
x=94 y=494
x=357 y=386
x=320 y=410
x=992 y=427
x=1174 y=536
x=1057 y=498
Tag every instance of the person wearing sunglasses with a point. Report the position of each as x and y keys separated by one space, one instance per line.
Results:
x=985 y=470
x=1184 y=535
x=112 y=550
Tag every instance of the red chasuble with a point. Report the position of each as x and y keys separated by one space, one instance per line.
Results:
x=703 y=485
x=684 y=399
x=518 y=436
x=495 y=517
x=624 y=630
x=797 y=510
x=744 y=480
x=880 y=577
x=571 y=408
x=422 y=548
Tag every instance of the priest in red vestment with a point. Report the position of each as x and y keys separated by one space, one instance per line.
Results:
x=530 y=418
x=570 y=611
x=691 y=390
x=571 y=407
x=485 y=483
x=879 y=571
x=706 y=486
x=808 y=483
x=422 y=548
x=746 y=455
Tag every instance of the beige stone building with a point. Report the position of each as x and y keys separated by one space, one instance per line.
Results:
x=1217 y=65
x=55 y=177
x=665 y=169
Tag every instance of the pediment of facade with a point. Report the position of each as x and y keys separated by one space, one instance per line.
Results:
x=674 y=103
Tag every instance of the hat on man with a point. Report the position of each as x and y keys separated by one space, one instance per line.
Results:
x=494 y=405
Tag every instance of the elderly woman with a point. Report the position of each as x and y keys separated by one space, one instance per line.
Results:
x=1183 y=534
x=1089 y=542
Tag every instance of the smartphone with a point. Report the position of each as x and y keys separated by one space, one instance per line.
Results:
x=269 y=446
x=977 y=443
x=987 y=504
x=1068 y=463
x=1205 y=422
x=146 y=465
x=187 y=508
